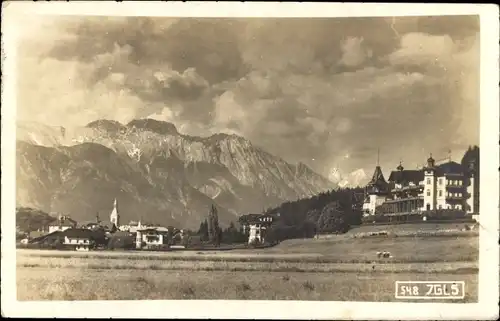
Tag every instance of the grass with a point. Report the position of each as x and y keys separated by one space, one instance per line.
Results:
x=403 y=249
x=333 y=250
x=76 y=284
x=337 y=269
x=100 y=263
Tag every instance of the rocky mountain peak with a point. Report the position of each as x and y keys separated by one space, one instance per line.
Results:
x=153 y=125
x=110 y=126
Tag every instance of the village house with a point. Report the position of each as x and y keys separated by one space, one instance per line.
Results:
x=151 y=238
x=256 y=225
x=81 y=239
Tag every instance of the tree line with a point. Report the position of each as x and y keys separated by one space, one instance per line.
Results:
x=211 y=232
x=334 y=211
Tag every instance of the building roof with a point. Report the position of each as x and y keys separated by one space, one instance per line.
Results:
x=148 y=229
x=409 y=175
x=107 y=225
x=451 y=168
x=86 y=224
x=46 y=237
x=103 y=224
x=378 y=182
x=255 y=218
x=79 y=233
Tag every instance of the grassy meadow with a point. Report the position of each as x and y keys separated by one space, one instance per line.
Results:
x=131 y=284
x=343 y=267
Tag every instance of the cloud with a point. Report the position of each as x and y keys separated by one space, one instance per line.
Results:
x=55 y=92
x=303 y=89
x=354 y=53
x=455 y=63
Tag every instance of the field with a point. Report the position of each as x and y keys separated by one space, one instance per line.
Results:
x=338 y=268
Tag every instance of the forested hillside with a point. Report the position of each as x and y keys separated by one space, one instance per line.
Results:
x=29 y=219
x=334 y=211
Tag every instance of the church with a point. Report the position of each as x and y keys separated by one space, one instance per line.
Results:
x=447 y=186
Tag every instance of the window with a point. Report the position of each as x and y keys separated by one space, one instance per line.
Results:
x=460 y=183
x=440 y=193
x=428 y=192
x=440 y=181
x=428 y=181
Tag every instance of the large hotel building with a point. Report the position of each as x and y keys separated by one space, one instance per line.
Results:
x=446 y=186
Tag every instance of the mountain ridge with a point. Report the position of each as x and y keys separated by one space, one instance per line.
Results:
x=147 y=157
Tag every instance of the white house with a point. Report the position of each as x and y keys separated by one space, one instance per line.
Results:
x=79 y=239
x=257 y=226
x=151 y=238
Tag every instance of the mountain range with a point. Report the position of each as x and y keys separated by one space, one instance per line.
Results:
x=156 y=174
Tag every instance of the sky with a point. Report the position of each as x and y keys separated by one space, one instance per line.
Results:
x=327 y=92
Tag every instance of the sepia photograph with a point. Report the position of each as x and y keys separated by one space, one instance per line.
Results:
x=203 y=156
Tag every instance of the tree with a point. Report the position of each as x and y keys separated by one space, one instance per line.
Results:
x=121 y=240
x=214 y=231
x=470 y=161
x=203 y=231
x=229 y=234
x=170 y=235
x=332 y=219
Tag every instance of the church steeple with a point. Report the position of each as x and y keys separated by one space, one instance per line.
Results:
x=115 y=217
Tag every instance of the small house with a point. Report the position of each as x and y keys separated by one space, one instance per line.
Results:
x=82 y=239
x=256 y=225
x=151 y=238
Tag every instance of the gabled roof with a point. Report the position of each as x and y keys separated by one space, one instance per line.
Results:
x=406 y=176
x=45 y=237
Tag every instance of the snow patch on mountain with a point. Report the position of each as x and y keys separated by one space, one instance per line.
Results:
x=353 y=179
